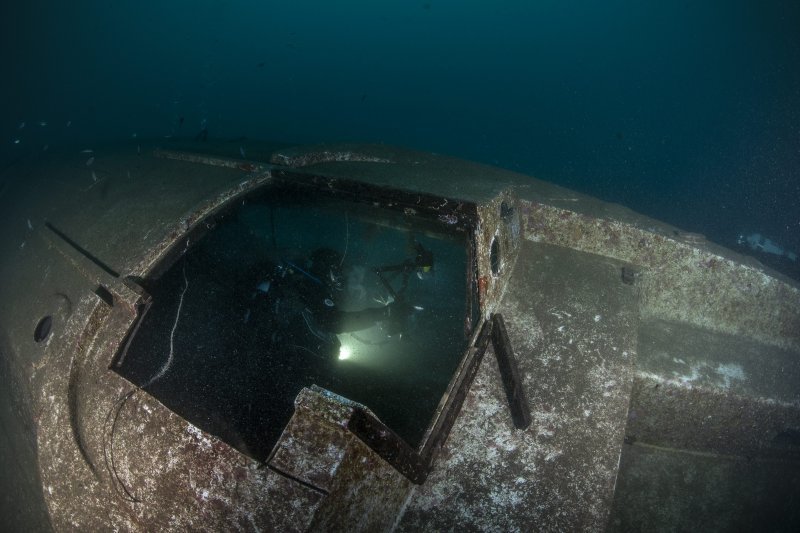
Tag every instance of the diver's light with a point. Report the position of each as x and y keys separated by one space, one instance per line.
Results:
x=344 y=352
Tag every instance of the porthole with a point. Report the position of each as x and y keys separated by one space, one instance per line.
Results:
x=506 y=212
x=43 y=328
x=494 y=257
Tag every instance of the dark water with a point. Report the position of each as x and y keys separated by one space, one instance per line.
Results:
x=687 y=111
x=293 y=290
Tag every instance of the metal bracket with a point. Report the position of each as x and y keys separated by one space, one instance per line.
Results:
x=509 y=371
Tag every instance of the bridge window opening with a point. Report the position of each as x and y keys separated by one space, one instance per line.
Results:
x=292 y=289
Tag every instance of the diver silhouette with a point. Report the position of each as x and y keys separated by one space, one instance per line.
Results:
x=298 y=306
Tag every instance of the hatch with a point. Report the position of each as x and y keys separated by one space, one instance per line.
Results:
x=364 y=293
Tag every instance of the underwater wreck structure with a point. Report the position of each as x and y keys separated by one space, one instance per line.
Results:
x=556 y=363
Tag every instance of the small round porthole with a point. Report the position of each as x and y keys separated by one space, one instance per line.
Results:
x=43 y=328
x=494 y=257
x=506 y=212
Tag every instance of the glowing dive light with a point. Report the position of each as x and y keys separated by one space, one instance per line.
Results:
x=345 y=352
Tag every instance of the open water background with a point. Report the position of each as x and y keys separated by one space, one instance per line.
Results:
x=686 y=111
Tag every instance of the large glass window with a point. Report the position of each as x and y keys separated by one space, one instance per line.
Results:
x=292 y=289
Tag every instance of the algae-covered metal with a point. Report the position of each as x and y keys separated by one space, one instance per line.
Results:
x=647 y=365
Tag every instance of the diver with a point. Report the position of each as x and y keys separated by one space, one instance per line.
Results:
x=758 y=242
x=203 y=135
x=297 y=306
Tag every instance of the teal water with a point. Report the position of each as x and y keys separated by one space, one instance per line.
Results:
x=686 y=111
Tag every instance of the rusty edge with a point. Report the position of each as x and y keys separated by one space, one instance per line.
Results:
x=225 y=162
x=413 y=464
x=455 y=398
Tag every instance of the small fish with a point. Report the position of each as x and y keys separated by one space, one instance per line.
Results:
x=139 y=149
x=21 y=125
x=45 y=147
x=69 y=123
x=87 y=151
x=133 y=136
x=21 y=246
x=16 y=141
x=263 y=287
x=94 y=177
x=241 y=151
x=30 y=226
x=90 y=161
x=758 y=242
x=42 y=123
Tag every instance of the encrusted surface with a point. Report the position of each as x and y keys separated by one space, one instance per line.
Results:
x=116 y=458
x=713 y=392
x=367 y=493
x=302 y=157
x=671 y=490
x=184 y=479
x=500 y=222
x=315 y=441
x=399 y=168
x=691 y=357
x=712 y=420
x=678 y=280
x=112 y=457
x=167 y=233
x=362 y=492
x=573 y=327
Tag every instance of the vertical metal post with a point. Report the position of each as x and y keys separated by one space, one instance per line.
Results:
x=509 y=371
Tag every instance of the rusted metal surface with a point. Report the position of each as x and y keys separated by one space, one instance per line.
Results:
x=23 y=508
x=500 y=222
x=679 y=281
x=224 y=162
x=572 y=323
x=388 y=445
x=593 y=298
x=717 y=373
x=412 y=171
x=302 y=157
x=360 y=490
x=65 y=378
